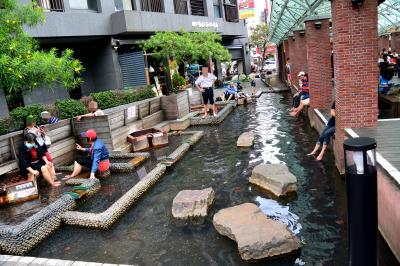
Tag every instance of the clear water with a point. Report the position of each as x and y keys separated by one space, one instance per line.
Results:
x=148 y=235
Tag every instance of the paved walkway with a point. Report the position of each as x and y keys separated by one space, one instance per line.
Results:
x=8 y=260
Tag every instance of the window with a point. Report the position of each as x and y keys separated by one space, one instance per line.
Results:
x=152 y=5
x=123 y=5
x=231 y=11
x=51 y=5
x=217 y=9
x=83 y=4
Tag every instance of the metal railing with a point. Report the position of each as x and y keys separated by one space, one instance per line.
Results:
x=181 y=7
x=197 y=7
x=152 y=5
x=51 y=5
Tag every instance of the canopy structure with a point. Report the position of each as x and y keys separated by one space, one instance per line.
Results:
x=289 y=15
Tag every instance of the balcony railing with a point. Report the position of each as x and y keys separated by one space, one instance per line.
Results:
x=231 y=13
x=51 y=5
x=152 y=5
x=197 y=7
x=181 y=7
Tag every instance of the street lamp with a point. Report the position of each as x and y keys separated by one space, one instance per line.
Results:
x=362 y=206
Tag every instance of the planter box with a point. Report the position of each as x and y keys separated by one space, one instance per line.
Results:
x=147 y=138
x=175 y=106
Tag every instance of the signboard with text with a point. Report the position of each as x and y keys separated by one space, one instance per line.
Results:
x=246 y=9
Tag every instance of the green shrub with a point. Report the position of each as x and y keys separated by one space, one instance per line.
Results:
x=106 y=99
x=70 y=108
x=3 y=126
x=144 y=93
x=19 y=114
x=177 y=82
x=244 y=78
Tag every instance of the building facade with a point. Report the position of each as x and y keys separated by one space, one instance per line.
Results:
x=104 y=35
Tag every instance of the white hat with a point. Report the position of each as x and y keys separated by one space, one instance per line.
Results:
x=301 y=73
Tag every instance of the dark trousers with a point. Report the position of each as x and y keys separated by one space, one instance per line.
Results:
x=326 y=135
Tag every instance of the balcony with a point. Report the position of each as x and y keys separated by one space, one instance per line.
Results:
x=51 y=5
x=231 y=13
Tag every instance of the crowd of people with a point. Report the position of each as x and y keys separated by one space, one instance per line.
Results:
x=389 y=66
x=35 y=159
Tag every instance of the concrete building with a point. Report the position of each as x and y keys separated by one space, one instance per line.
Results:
x=104 y=35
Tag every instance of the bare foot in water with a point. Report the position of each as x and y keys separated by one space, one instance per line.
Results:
x=56 y=184
x=319 y=158
x=311 y=154
x=67 y=177
x=294 y=114
x=204 y=116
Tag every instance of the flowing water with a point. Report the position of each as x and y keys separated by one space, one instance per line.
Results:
x=148 y=235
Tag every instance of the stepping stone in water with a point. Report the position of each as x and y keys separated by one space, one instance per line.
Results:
x=246 y=139
x=257 y=236
x=189 y=204
x=274 y=178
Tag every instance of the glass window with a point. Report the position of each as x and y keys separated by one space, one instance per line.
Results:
x=123 y=5
x=78 y=4
x=83 y=4
x=217 y=12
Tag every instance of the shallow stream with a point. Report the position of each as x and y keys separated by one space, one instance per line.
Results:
x=148 y=235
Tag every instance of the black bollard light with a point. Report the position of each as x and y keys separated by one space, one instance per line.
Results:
x=362 y=206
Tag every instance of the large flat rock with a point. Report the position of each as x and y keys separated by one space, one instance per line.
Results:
x=189 y=204
x=274 y=178
x=257 y=236
x=246 y=139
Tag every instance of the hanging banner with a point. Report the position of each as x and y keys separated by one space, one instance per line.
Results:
x=246 y=9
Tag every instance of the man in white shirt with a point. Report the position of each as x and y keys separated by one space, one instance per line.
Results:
x=93 y=109
x=205 y=84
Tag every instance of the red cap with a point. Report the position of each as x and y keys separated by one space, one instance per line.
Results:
x=91 y=134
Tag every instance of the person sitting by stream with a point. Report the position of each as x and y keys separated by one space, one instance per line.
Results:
x=41 y=139
x=303 y=95
x=51 y=119
x=96 y=159
x=33 y=161
x=326 y=135
x=93 y=109
x=231 y=92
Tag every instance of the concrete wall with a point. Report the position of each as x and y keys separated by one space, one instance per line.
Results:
x=45 y=95
x=102 y=66
x=108 y=22
x=137 y=21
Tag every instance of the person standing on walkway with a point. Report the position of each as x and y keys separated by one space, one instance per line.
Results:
x=205 y=84
x=289 y=71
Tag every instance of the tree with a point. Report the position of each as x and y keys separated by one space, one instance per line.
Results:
x=187 y=47
x=22 y=64
x=259 y=38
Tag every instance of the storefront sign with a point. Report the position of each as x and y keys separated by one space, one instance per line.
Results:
x=204 y=24
x=246 y=9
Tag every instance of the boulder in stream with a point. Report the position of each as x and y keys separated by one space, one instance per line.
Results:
x=192 y=204
x=257 y=236
x=274 y=178
x=246 y=139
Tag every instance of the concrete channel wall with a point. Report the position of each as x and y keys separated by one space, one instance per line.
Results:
x=388 y=190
